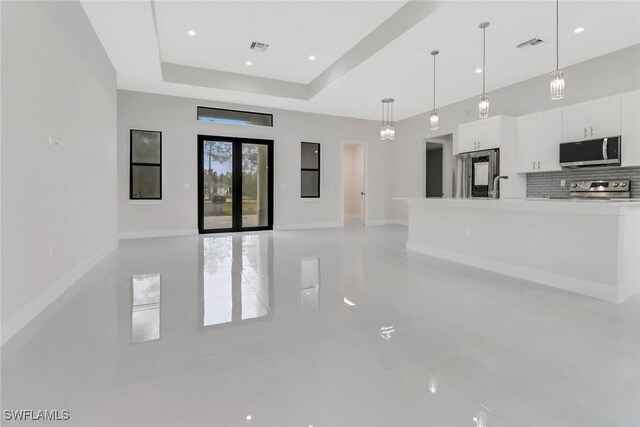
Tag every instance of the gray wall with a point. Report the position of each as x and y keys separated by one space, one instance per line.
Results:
x=176 y=118
x=610 y=74
x=547 y=184
x=58 y=202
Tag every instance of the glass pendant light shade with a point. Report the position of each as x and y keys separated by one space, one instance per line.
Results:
x=434 y=120
x=483 y=107
x=387 y=130
x=557 y=85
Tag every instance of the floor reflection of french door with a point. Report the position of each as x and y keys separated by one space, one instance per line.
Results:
x=235 y=184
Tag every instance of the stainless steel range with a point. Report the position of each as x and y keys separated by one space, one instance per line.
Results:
x=618 y=189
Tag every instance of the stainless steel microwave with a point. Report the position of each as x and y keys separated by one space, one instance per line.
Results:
x=594 y=152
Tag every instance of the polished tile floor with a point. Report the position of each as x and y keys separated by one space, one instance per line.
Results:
x=336 y=327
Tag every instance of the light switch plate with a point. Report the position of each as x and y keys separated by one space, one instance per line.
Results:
x=563 y=183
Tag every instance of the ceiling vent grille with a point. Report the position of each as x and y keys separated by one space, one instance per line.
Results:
x=262 y=47
x=533 y=42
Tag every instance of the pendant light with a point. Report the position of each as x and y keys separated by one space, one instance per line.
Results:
x=387 y=130
x=483 y=106
x=557 y=77
x=433 y=119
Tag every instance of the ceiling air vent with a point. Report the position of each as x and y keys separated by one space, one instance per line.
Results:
x=533 y=42
x=262 y=47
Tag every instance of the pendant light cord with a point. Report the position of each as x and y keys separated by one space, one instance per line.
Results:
x=557 y=35
x=434 y=82
x=484 y=54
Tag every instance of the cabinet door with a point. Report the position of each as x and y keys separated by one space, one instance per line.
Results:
x=575 y=122
x=606 y=117
x=526 y=143
x=549 y=135
x=631 y=129
x=467 y=137
x=489 y=135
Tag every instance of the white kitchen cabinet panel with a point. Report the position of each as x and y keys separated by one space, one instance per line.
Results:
x=549 y=137
x=606 y=120
x=527 y=143
x=467 y=137
x=483 y=134
x=631 y=129
x=538 y=140
x=590 y=120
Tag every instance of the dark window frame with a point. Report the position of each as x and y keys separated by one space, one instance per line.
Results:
x=132 y=164
x=235 y=111
x=319 y=194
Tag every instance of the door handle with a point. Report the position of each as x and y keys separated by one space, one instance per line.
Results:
x=605 y=145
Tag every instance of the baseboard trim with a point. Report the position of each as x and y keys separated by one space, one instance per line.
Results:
x=156 y=233
x=307 y=226
x=377 y=222
x=40 y=302
x=567 y=283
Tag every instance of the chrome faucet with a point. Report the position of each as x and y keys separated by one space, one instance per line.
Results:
x=495 y=193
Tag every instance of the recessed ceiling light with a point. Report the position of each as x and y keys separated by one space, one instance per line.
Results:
x=578 y=30
x=478 y=70
x=248 y=63
x=191 y=33
x=312 y=58
x=249 y=417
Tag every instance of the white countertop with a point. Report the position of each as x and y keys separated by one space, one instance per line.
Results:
x=597 y=207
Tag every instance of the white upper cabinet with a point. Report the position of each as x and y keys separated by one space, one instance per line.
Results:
x=593 y=119
x=537 y=141
x=467 y=137
x=631 y=129
x=484 y=134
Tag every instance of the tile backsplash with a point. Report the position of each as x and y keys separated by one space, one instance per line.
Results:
x=547 y=184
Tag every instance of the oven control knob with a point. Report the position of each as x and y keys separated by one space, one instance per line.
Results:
x=574 y=185
x=615 y=184
x=623 y=184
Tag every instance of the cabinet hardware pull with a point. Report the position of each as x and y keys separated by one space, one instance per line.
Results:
x=534 y=165
x=585 y=132
x=538 y=164
x=591 y=131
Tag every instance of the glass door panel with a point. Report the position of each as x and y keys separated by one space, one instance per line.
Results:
x=255 y=185
x=235 y=184
x=217 y=185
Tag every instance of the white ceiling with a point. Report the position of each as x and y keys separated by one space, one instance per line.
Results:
x=402 y=69
x=293 y=30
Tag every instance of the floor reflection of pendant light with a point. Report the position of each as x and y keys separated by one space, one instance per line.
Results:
x=557 y=77
x=483 y=106
x=433 y=119
x=387 y=130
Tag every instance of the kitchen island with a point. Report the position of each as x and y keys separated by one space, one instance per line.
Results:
x=591 y=247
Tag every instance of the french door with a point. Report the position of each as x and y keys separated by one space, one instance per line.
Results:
x=235 y=184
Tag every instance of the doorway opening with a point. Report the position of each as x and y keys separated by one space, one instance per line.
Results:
x=354 y=183
x=439 y=167
x=235 y=184
x=434 y=160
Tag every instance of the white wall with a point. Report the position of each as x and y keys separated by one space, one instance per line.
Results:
x=353 y=173
x=610 y=74
x=58 y=202
x=176 y=118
